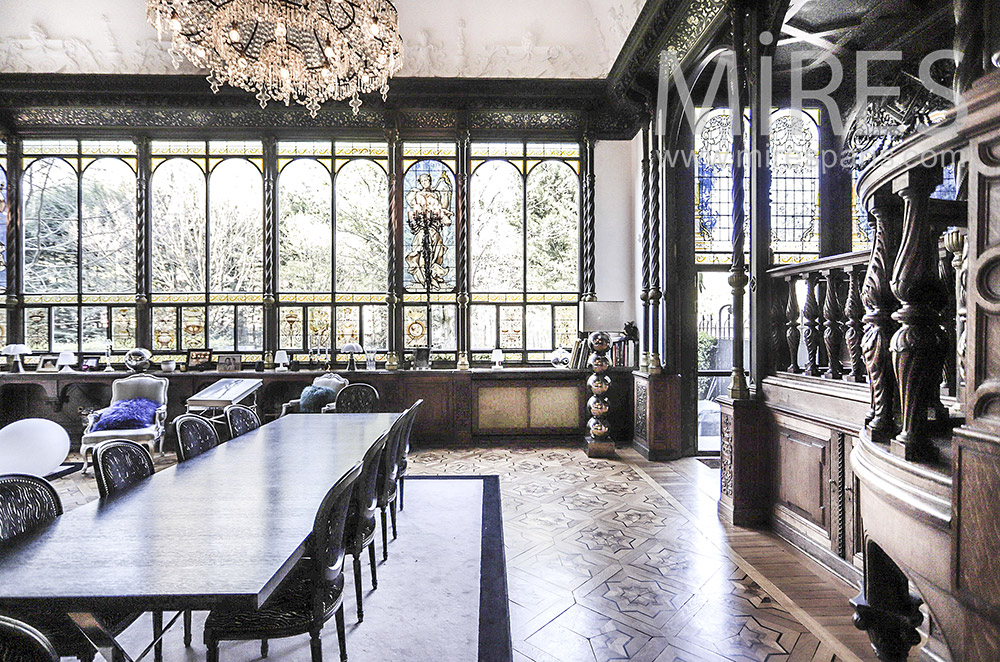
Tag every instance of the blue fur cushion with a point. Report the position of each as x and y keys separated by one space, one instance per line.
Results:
x=314 y=398
x=127 y=415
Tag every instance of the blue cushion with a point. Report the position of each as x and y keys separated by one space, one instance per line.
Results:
x=314 y=398
x=127 y=415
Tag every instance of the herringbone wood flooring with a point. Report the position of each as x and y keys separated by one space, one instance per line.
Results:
x=627 y=560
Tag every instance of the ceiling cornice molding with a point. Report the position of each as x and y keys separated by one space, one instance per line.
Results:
x=604 y=109
x=681 y=27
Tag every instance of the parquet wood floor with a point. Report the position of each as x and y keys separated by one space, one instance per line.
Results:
x=626 y=560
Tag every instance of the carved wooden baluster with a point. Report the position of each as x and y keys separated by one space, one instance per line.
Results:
x=833 y=334
x=918 y=345
x=879 y=305
x=947 y=274
x=955 y=241
x=855 y=311
x=779 y=346
x=792 y=334
x=810 y=311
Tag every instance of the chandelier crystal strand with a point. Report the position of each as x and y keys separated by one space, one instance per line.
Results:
x=306 y=51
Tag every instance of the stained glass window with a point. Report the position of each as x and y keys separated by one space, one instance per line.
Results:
x=207 y=234
x=429 y=229
x=713 y=214
x=524 y=247
x=794 y=186
x=862 y=233
x=333 y=235
x=78 y=201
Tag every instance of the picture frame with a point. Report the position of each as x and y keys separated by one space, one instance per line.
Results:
x=199 y=359
x=47 y=363
x=229 y=362
x=422 y=358
x=90 y=362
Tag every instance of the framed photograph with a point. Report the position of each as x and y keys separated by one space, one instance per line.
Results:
x=229 y=362
x=47 y=363
x=90 y=362
x=422 y=358
x=199 y=359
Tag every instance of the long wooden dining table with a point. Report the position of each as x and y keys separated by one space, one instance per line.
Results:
x=223 y=528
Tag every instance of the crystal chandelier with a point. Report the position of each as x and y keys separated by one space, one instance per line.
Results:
x=307 y=51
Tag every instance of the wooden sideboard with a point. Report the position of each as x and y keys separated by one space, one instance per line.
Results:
x=458 y=404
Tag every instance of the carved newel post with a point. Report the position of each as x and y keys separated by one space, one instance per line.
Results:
x=599 y=441
x=918 y=345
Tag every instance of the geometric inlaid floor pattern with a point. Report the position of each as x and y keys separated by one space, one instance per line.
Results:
x=625 y=560
x=604 y=565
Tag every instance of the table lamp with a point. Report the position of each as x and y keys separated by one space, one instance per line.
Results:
x=16 y=350
x=352 y=348
x=281 y=359
x=598 y=317
x=497 y=358
x=66 y=360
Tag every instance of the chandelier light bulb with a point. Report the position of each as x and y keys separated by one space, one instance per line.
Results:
x=234 y=36
x=279 y=30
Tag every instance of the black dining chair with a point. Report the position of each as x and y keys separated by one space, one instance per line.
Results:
x=19 y=642
x=195 y=435
x=357 y=399
x=360 y=530
x=241 y=420
x=308 y=597
x=119 y=464
x=385 y=485
x=28 y=503
x=404 y=450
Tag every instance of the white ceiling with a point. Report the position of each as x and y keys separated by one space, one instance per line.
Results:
x=465 y=38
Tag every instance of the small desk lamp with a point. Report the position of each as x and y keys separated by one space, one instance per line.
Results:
x=352 y=348
x=66 y=360
x=16 y=350
x=497 y=358
x=281 y=359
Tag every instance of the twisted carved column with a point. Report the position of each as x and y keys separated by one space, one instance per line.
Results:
x=918 y=345
x=392 y=297
x=879 y=305
x=143 y=245
x=855 y=311
x=833 y=334
x=589 y=232
x=811 y=325
x=15 y=226
x=655 y=293
x=644 y=295
x=793 y=335
x=462 y=238
x=271 y=335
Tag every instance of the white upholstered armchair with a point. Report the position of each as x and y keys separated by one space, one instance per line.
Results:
x=128 y=388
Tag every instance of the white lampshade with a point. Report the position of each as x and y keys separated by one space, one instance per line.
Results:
x=497 y=357
x=33 y=446
x=602 y=315
x=66 y=360
x=352 y=348
x=281 y=356
x=16 y=349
